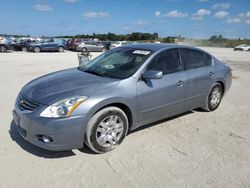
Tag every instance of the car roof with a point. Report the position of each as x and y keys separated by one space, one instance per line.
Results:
x=158 y=46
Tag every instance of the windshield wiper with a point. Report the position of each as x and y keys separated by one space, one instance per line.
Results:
x=93 y=72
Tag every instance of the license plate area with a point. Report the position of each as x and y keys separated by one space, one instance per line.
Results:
x=16 y=118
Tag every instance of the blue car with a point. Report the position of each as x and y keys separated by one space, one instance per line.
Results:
x=48 y=45
x=120 y=90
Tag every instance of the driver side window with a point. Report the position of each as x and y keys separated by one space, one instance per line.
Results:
x=167 y=61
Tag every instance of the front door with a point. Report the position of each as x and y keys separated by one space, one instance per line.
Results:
x=160 y=98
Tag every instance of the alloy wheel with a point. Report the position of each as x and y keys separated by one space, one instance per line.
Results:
x=109 y=131
x=215 y=97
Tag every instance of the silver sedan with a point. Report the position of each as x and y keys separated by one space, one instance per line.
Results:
x=121 y=90
x=90 y=46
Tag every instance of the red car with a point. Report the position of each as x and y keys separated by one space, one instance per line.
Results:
x=74 y=42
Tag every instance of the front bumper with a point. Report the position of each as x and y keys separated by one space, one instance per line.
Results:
x=66 y=133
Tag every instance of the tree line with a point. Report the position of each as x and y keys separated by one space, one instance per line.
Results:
x=215 y=40
x=221 y=41
x=136 y=36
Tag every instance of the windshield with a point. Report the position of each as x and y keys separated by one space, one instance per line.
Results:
x=118 y=63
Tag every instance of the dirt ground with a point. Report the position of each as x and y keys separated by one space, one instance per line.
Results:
x=197 y=149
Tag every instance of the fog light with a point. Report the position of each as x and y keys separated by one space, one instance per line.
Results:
x=45 y=139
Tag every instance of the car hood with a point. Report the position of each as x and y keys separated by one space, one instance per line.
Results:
x=62 y=84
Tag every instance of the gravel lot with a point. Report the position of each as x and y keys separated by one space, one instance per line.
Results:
x=198 y=149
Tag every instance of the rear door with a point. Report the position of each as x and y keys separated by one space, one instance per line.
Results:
x=199 y=73
x=52 y=45
x=95 y=48
x=90 y=46
x=46 y=46
x=159 y=98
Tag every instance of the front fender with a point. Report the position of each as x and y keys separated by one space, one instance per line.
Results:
x=116 y=100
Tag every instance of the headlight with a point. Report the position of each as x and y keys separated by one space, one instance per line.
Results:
x=63 y=108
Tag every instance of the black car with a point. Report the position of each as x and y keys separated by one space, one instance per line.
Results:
x=23 y=44
x=106 y=44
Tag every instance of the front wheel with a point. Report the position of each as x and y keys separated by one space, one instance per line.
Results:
x=106 y=129
x=214 y=97
x=24 y=49
x=37 y=49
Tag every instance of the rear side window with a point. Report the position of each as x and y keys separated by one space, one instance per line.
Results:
x=208 y=60
x=167 y=61
x=193 y=59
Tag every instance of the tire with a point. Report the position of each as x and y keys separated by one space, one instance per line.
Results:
x=106 y=130
x=214 y=98
x=24 y=49
x=84 y=49
x=37 y=49
x=3 y=48
x=60 y=49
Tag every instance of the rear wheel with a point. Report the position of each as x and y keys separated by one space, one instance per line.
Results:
x=106 y=129
x=37 y=49
x=214 y=97
x=60 y=49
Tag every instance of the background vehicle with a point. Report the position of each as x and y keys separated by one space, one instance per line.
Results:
x=73 y=43
x=5 y=44
x=120 y=43
x=242 y=47
x=90 y=46
x=48 y=45
x=115 y=44
x=120 y=90
x=23 y=44
x=106 y=44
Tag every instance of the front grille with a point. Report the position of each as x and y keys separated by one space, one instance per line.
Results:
x=26 y=104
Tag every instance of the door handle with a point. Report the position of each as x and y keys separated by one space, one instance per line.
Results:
x=211 y=74
x=180 y=83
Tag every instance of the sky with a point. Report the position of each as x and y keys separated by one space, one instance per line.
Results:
x=189 y=18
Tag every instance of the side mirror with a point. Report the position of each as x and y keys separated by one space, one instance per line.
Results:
x=152 y=74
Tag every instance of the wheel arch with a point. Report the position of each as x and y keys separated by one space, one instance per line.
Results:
x=222 y=85
x=123 y=107
x=61 y=46
x=24 y=46
x=37 y=47
x=84 y=47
